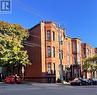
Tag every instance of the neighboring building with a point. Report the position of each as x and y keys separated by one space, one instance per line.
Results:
x=68 y=57
x=43 y=49
x=87 y=51
x=68 y=47
x=76 y=58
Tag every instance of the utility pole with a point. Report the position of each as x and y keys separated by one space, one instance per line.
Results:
x=60 y=55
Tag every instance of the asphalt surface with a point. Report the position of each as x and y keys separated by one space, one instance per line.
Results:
x=46 y=89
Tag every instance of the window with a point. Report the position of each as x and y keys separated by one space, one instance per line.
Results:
x=53 y=36
x=78 y=48
x=49 y=51
x=74 y=47
x=48 y=35
x=87 y=52
x=58 y=36
x=53 y=51
x=49 y=68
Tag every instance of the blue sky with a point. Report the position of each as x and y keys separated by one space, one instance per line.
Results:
x=79 y=17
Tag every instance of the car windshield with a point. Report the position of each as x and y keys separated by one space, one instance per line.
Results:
x=76 y=79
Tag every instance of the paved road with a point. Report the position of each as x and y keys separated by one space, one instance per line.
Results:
x=46 y=89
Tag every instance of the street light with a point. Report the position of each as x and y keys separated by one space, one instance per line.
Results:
x=60 y=55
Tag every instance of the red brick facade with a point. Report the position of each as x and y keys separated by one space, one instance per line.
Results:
x=42 y=65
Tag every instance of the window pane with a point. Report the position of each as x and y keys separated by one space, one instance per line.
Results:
x=74 y=47
x=53 y=51
x=48 y=35
x=53 y=36
x=49 y=51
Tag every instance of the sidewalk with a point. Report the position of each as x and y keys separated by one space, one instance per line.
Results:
x=38 y=84
x=44 y=84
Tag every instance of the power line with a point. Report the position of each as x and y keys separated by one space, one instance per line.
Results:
x=34 y=36
x=33 y=11
x=37 y=45
x=30 y=44
x=28 y=9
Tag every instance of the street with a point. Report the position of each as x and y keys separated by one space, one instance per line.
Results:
x=46 y=89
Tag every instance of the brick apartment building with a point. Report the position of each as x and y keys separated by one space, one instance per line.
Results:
x=43 y=49
x=68 y=53
x=87 y=51
x=68 y=57
x=76 y=58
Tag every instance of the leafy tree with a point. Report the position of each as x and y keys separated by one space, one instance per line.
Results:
x=90 y=64
x=11 y=47
x=86 y=66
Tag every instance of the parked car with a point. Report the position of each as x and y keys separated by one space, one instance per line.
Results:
x=79 y=81
x=76 y=81
x=13 y=79
x=92 y=81
x=10 y=79
x=83 y=81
